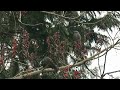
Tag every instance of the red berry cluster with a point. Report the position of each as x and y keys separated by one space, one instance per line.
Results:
x=56 y=37
x=76 y=74
x=25 y=43
x=2 y=53
x=62 y=47
x=56 y=46
x=25 y=39
x=14 y=47
x=1 y=60
x=53 y=41
x=66 y=73
x=77 y=48
x=77 y=45
x=48 y=41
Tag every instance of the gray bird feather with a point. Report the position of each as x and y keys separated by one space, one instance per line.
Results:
x=76 y=36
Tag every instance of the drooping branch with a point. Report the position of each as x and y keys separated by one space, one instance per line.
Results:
x=26 y=24
x=73 y=18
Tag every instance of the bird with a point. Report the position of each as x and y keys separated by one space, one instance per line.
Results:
x=76 y=36
x=47 y=62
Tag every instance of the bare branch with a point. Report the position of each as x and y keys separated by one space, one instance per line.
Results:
x=116 y=48
x=110 y=37
x=112 y=72
x=99 y=65
x=116 y=34
x=104 y=65
x=91 y=71
x=109 y=73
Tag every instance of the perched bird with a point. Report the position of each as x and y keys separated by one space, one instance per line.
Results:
x=77 y=36
x=78 y=45
x=47 y=62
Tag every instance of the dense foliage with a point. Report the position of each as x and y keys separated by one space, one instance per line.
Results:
x=26 y=37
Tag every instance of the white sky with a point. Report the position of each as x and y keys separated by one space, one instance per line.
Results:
x=113 y=56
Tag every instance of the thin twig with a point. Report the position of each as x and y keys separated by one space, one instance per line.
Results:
x=104 y=65
x=116 y=48
x=91 y=71
x=116 y=34
x=110 y=37
x=99 y=65
x=112 y=72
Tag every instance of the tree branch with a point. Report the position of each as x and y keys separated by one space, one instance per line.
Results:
x=61 y=15
x=104 y=65
x=72 y=18
x=20 y=21
x=62 y=67
x=99 y=65
x=112 y=72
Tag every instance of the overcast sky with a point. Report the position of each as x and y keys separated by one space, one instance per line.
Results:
x=113 y=57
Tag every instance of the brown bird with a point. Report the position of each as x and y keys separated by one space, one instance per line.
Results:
x=77 y=36
x=47 y=62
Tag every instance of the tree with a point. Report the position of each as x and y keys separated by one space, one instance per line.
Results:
x=27 y=37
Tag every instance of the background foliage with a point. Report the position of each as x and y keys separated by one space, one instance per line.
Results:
x=26 y=37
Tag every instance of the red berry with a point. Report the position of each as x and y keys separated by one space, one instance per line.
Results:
x=76 y=73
